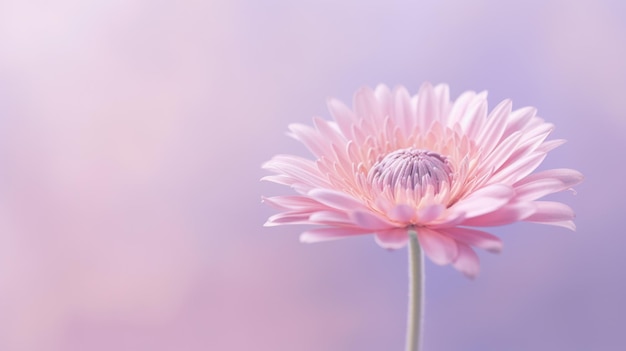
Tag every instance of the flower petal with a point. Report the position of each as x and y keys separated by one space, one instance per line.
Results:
x=503 y=151
x=368 y=110
x=310 y=138
x=335 y=218
x=537 y=189
x=404 y=111
x=485 y=200
x=292 y=202
x=299 y=169
x=492 y=132
x=402 y=213
x=475 y=238
x=426 y=107
x=385 y=100
x=335 y=199
x=342 y=114
x=393 y=238
x=439 y=248
x=568 y=177
x=299 y=217
x=519 y=169
x=430 y=213
x=551 y=145
x=459 y=106
x=328 y=131
x=442 y=98
x=328 y=234
x=518 y=119
x=369 y=220
x=555 y=213
x=507 y=214
x=467 y=261
x=448 y=219
x=476 y=116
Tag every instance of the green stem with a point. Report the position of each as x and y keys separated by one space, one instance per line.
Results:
x=416 y=294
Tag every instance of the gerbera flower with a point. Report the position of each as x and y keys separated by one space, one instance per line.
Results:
x=395 y=163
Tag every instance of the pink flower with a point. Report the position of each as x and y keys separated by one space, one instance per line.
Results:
x=396 y=162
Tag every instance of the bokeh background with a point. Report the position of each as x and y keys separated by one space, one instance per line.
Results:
x=132 y=134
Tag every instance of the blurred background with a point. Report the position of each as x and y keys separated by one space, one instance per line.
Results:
x=132 y=134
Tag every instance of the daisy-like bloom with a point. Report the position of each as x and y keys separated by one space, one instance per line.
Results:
x=396 y=162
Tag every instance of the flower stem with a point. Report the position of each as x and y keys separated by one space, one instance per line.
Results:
x=416 y=294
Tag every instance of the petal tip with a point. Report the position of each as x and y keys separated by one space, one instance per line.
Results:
x=393 y=239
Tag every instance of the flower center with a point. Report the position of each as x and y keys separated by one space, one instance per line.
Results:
x=411 y=169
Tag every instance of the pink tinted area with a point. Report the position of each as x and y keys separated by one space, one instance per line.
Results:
x=132 y=134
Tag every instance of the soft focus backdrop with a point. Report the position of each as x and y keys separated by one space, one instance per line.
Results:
x=132 y=134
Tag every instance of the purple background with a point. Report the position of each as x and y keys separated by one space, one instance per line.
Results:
x=132 y=134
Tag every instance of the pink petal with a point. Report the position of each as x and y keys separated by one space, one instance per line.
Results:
x=301 y=170
x=342 y=114
x=568 y=177
x=475 y=116
x=392 y=239
x=402 y=213
x=385 y=99
x=331 y=218
x=492 y=132
x=565 y=224
x=281 y=179
x=467 y=261
x=537 y=189
x=475 y=238
x=353 y=152
x=539 y=128
x=528 y=145
x=403 y=110
x=448 y=219
x=439 y=248
x=555 y=213
x=292 y=202
x=430 y=213
x=369 y=220
x=518 y=119
x=442 y=97
x=288 y=218
x=310 y=138
x=503 y=151
x=485 y=200
x=469 y=110
x=426 y=107
x=457 y=113
x=328 y=132
x=335 y=199
x=367 y=108
x=328 y=234
x=507 y=214
x=342 y=162
x=519 y=169
x=551 y=145
x=551 y=211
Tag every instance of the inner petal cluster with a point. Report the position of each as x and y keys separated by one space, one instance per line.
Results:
x=412 y=169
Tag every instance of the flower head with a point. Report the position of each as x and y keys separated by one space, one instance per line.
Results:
x=395 y=162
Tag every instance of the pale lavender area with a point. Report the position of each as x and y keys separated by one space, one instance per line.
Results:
x=132 y=134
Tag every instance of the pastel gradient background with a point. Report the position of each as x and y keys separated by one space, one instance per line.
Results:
x=132 y=134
